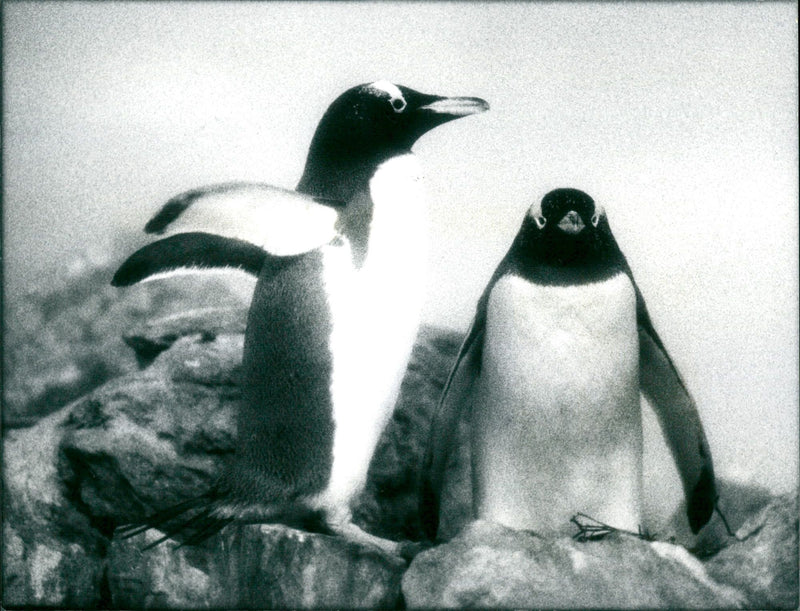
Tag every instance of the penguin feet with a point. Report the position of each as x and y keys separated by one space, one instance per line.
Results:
x=590 y=529
x=192 y=521
x=197 y=519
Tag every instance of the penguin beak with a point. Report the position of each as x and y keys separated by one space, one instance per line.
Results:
x=455 y=107
x=428 y=111
x=571 y=223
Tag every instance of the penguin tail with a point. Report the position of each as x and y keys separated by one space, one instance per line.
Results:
x=191 y=522
x=187 y=252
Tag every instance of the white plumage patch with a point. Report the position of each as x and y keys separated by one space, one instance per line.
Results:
x=390 y=88
x=375 y=313
x=201 y=271
x=280 y=221
x=557 y=418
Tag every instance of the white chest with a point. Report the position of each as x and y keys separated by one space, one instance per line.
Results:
x=398 y=242
x=561 y=345
x=556 y=418
x=388 y=289
x=378 y=303
x=375 y=314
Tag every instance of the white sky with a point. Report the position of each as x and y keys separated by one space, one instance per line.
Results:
x=680 y=118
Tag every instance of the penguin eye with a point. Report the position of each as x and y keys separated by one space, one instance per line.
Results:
x=398 y=104
x=598 y=212
x=539 y=220
x=396 y=98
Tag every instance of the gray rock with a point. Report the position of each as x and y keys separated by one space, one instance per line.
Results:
x=491 y=566
x=738 y=501
x=65 y=340
x=143 y=439
x=148 y=439
x=762 y=561
x=253 y=567
x=152 y=438
x=52 y=553
x=152 y=337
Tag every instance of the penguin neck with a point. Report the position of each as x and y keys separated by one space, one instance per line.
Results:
x=540 y=263
x=567 y=275
x=339 y=172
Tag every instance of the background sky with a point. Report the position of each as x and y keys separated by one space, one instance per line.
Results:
x=681 y=119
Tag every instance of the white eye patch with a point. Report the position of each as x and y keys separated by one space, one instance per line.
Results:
x=599 y=212
x=396 y=98
x=535 y=212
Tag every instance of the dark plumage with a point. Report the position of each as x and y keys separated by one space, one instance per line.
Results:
x=200 y=250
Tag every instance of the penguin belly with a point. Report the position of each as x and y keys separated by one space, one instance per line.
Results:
x=556 y=413
x=375 y=313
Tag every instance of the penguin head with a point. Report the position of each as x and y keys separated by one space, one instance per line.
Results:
x=370 y=123
x=566 y=211
x=567 y=229
x=383 y=117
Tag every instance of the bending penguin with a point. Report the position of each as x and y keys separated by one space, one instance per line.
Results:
x=340 y=264
x=551 y=371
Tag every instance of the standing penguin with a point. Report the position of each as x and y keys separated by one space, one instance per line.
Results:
x=340 y=264
x=551 y=371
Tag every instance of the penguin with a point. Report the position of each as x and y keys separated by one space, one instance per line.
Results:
x=551 y=372
x=340 y=267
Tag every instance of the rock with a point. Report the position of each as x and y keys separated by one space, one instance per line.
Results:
x=152 y=337
x=63 y=341
x=254 y=567
x=158 y=424
x=490 y=566
x=738 y=501
x=389 y=505
x=762 y=561
x=52 y=552
x=152 y=438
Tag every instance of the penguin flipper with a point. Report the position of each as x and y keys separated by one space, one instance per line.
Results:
x=188 y=252
x=455 y=399
x=280 y=221
x=680 y=421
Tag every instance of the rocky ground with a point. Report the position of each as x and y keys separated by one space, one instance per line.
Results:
x=132 y=394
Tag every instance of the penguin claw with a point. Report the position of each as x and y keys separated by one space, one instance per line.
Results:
x=349 y=531
x=595 y=530
x=157 y=519
x=207 y=529
x=200 y=526
x=191 y=523
x=126 y=531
